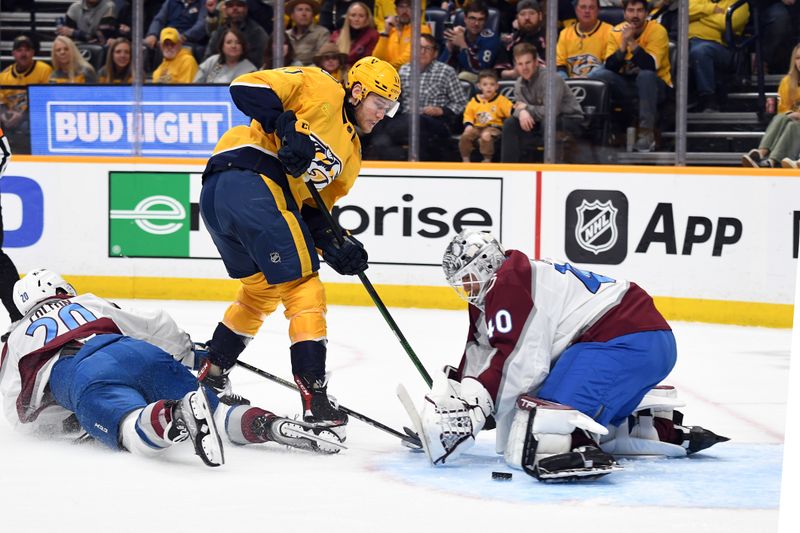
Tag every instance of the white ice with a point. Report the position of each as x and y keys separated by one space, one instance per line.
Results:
x=734 y=380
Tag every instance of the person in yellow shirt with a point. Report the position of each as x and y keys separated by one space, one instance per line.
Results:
x=255 y=202
x=483 y=118
x=581 y=46
x=179 y=65
x=708 y=55
x=14 y=102
x=394 y=43
x=637 y=65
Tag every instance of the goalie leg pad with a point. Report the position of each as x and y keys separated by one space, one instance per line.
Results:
x=656 y=429
x=541 y=443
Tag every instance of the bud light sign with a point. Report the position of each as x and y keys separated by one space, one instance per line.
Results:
x=104 y=120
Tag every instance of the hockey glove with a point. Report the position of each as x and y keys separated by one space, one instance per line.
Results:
x=348 y=258
x=297 y=150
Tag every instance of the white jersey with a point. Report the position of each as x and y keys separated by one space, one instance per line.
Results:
x=35 y=343
x=532 y=313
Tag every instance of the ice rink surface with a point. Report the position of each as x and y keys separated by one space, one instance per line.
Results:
x=733 y=379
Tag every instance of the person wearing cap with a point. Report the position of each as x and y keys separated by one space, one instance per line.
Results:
x=89 y=21
x=188 y=17
x=530 y=29
x=332 y=61
x=306 y=37
x=581 y=46
x=14 y=102
x=257 y=206
x=179 y=65
x=236 y=17
x=394 y=44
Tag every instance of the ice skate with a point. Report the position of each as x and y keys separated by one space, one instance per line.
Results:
x=297 y=434
x=192 y=419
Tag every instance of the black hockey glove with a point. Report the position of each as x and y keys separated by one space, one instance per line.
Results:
x=348 y=259
x=297 y=149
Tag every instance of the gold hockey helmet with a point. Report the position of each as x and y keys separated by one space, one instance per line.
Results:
x=378 y=77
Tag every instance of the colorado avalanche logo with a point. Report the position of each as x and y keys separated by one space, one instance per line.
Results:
x=325 y=166
x=596 y=230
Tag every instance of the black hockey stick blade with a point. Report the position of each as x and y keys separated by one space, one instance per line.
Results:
x=412 y=441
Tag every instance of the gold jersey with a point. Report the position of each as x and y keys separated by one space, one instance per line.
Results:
x=315 y=96
x=582 y=52
x=653 y=40
x=18 y=100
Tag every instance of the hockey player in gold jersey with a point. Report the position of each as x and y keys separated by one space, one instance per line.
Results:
x=266 y=226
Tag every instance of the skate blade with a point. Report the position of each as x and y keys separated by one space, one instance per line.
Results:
x=209 y=445
x=300 y=438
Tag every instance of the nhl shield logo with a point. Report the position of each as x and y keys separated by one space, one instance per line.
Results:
x=596 y=228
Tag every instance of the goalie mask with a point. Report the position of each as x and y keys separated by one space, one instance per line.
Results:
x=37 y=286
x=470 y=263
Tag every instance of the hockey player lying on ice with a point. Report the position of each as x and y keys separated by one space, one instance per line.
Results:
x=565 y=362
x=79 y=361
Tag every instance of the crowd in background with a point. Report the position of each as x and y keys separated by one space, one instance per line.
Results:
x=467 y=48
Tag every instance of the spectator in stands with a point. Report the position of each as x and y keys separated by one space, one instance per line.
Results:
x=581 y=46
x=526 y=126
x=775 y=28
x=781 y=142
x=306 y=37
x=252 y=34
x=69 y=66
x=384 y=9
x=530 y=28
x=483 y=118
x=90 y=21
x=14 y=102
x=118 y=63
x=187 y=17
x=259 y=11
x=358 y=35
x=637 y=66
x=332 y=61
x=709 y=57
x=441 y=102
x=394 y=44
x=229 y=62
x=473 y=47
x=179 y=65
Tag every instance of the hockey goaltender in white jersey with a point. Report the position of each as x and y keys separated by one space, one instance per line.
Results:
x=558 y=358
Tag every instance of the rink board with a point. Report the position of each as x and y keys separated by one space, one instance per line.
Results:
x=716 y=245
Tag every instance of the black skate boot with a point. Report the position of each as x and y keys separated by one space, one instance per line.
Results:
x=192 y=419
x=296 y=434
x=221 y=385
x=318 y=410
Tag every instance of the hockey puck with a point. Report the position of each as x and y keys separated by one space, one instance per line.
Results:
x=501 y=476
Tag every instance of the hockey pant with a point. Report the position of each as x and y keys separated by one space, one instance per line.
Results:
x=607 y=380
x=114 y=376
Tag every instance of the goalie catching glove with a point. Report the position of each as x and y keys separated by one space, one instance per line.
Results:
x=297 y=149
x=451 y=420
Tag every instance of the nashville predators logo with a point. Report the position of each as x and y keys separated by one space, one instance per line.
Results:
x=325 y=166
x=583 y=65
x=484 y=117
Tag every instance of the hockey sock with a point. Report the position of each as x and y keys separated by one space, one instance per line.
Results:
x=242 y=424
x=155 y=425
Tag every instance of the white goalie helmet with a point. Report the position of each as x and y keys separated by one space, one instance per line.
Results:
x=470 y=263
x=39 y=285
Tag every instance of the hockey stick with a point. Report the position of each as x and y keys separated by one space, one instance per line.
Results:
x=407 y=439
x=337 y=231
